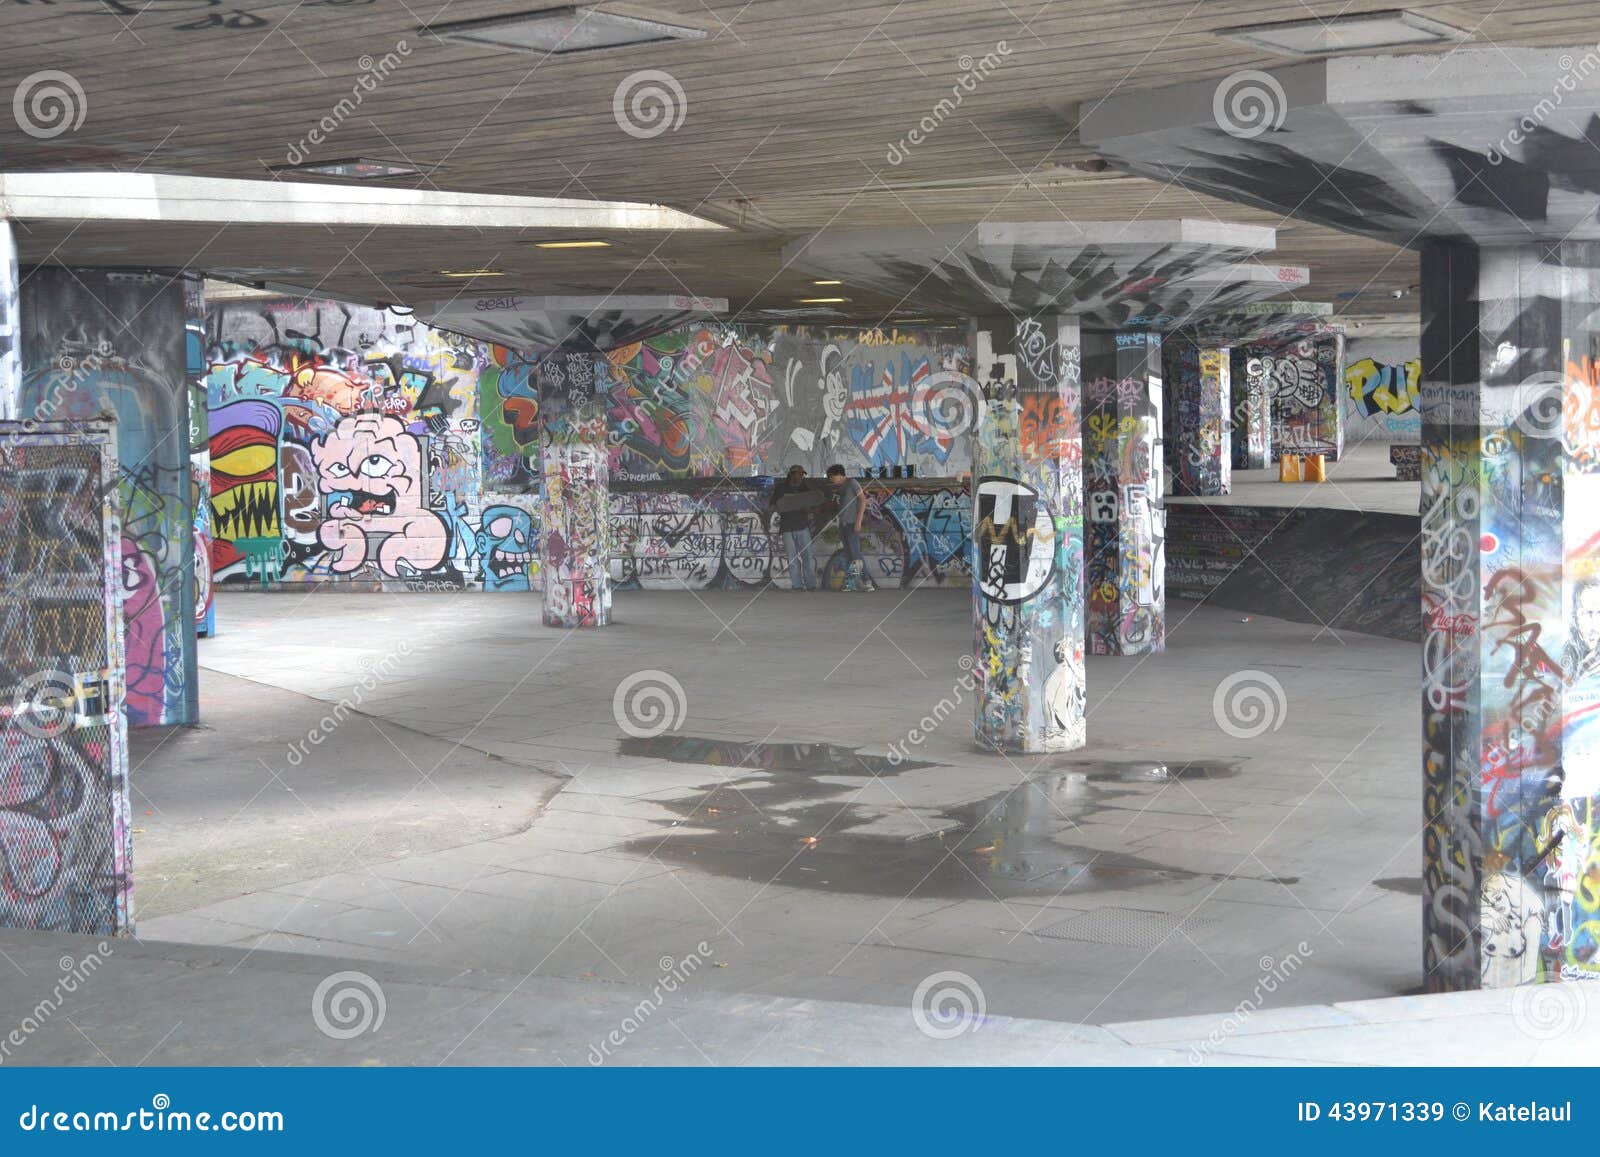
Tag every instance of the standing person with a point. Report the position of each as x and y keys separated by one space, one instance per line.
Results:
x=852 y=512
x=793 y=502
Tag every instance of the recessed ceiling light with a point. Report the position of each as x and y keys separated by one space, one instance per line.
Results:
x=353 y=168
x=1358 y=32
x=561 y=31
x=591 y=243
x=470 y=272
x=830 y=282
x=823 y=300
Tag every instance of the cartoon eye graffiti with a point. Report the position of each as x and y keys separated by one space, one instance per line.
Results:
x=375 y=466
x=338 y=469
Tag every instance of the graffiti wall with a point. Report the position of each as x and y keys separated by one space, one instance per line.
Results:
x=716 y=534
x=1383 y=390
x=100 y=341
x=345 y=445
x=700 y=401
x=1301 y=380
x=65 y=840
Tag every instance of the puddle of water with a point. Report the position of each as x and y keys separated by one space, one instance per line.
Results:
x=1405 y=885
x=816 y=758
x=781 y=823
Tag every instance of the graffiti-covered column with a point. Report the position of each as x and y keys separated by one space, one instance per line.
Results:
x=1197 y=381
x=1511 y=603
x=1027 y=568
x=99 y=340
x=10 y=326
x=1122 y=466
x=1300 y=379
x=1252 y=411
x=575 y=534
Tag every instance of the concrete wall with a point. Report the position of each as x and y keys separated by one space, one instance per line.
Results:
x=1382 y=377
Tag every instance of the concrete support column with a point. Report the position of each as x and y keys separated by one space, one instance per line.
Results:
x=1027 y=535
x=98 y=340
x=10 y=326
x=574 y=537
x=1302 y=379
x=1127 y=520
x=1252 y=413
x=1197 y=381
x=1511 y=606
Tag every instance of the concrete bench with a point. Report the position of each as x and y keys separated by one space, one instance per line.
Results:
x=1406 y=459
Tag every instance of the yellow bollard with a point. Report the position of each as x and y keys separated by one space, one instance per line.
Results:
x=1289 y=468
x=1316 y=468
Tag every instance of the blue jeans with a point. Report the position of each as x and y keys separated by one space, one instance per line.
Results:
x=802 y=566
x=852 y=544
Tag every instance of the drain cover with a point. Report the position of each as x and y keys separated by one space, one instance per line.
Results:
x=1125 y=927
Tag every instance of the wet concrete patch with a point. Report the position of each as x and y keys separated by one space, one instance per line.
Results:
x=1406 y=885
x=784 y=824
x=817 y=758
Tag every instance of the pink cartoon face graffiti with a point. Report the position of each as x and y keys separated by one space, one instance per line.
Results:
x=374 y=468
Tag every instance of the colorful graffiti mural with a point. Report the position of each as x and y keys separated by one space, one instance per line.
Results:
x=701 y=401
x=718 y=535
x=82 y=358
x=1383 y=388
x=345 y=446
x=65 y=840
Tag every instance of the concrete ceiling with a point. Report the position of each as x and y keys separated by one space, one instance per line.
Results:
x=791 y=113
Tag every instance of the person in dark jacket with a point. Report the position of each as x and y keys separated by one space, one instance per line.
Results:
x=793 y=503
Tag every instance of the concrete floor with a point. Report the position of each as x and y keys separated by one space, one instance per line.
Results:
x=481 y=808
x=1361 y=480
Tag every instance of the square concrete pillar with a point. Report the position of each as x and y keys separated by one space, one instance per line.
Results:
x=1511 y=610
x=1252 y=413
x=1197 y=380
x=99 y=340
x=574 y=536
x=1126 y=516
x=1027 y=536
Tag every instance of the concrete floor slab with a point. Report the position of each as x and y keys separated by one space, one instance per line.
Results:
x=571 y=853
